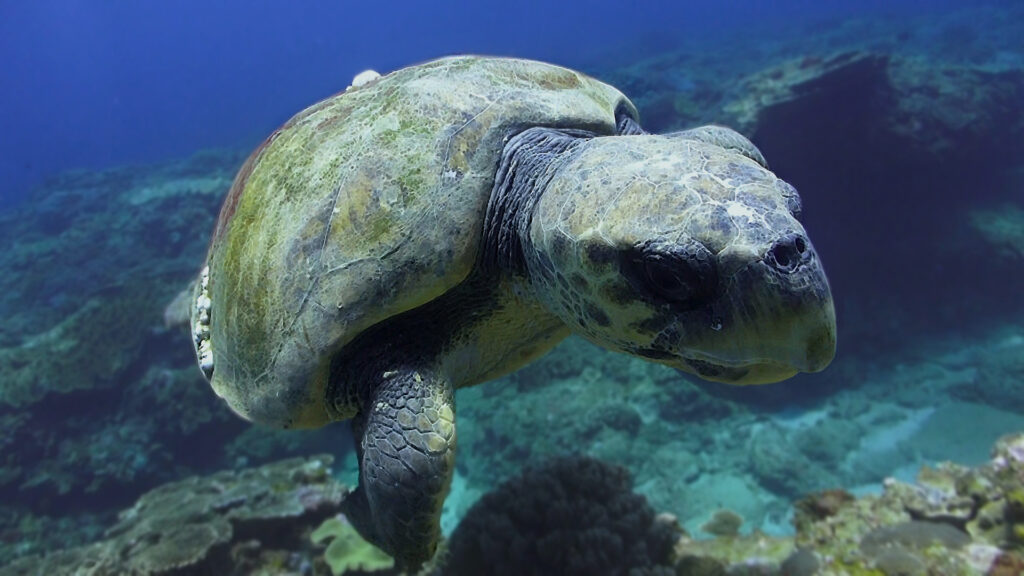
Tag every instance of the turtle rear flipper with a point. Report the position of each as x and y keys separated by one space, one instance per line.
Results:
x=178 y=310
x=406 y=449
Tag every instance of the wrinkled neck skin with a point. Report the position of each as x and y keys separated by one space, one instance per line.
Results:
x=529 y=162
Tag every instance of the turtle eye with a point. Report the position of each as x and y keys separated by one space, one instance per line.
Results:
x=671 y=278
x=625 y=123
x=681 y=274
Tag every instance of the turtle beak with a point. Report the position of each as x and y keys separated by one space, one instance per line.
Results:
x=821 y=344
x=805 y=291
x=776 y=318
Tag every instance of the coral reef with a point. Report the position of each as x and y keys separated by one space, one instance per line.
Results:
x=227 y=523
x=82 y=233
x=70 y=357
x=953 y=521
x=572 y=515
x=957 y=111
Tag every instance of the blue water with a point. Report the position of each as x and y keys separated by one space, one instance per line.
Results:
x=90 y=85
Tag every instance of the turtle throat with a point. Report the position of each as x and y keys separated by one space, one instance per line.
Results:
x=528 y=162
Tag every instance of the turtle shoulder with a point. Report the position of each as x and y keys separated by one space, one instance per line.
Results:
x=363 y=206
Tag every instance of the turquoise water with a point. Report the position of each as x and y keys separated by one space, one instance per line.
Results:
x=902 y=126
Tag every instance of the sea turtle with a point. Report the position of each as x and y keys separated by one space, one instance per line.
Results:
x=447 y=223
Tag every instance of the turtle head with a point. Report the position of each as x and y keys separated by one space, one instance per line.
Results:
x=686 y=250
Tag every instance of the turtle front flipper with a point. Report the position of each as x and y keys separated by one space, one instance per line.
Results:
x=405 y=434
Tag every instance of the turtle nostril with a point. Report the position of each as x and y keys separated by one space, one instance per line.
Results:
x=787 y=253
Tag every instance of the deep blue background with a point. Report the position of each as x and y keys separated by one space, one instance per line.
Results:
x=88 y=84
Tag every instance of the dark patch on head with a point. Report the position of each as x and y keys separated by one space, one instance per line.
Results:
x=600 y=253
x=704 y=368
x=562 y=282
x=756 y=202
x=598 y=315
x=791 y=197
x=683 y=275
x=308 y=243
x=668 y=337
x=778 y=220
x=742 y=172
x=560 y=245
x=653 y=324
x=579 y=281
x=564 y=296
x=617 y=294
x=723 y=226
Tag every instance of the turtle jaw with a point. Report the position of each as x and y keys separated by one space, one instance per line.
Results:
x=766 y=327
x=758 y=371
x=764 y=372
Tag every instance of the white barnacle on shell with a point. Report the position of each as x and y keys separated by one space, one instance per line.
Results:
x=364 y=78
x=201 y=325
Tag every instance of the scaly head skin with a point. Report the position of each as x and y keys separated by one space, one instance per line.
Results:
x=686 y=250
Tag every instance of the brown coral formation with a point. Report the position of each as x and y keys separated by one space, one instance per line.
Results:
x=724 y=523
x=818 y=506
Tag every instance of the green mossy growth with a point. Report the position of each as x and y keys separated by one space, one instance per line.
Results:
x=347 y=549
